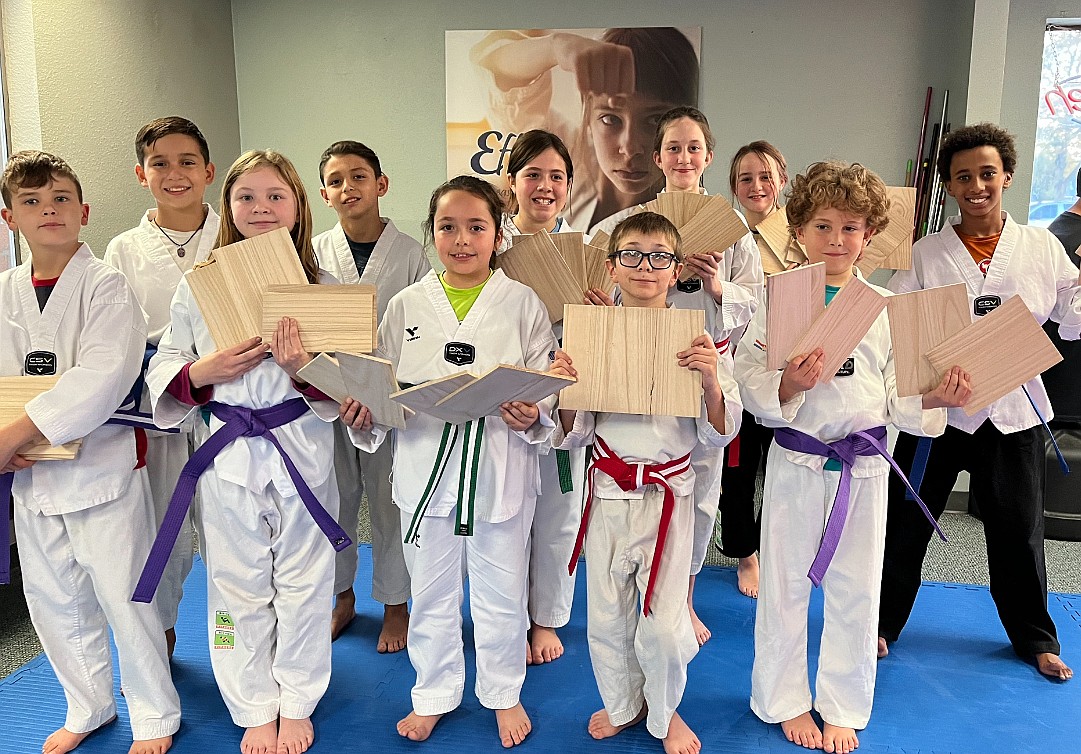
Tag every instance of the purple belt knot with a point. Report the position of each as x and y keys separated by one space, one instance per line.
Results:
x=239 y=421
x=869 y=442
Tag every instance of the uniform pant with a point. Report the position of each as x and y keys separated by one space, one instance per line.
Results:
x=356 y=473
x=796 y=503
x=1008 y=484
x=706 y=462
x=495 y=558
x=269 y=576
x=555 y=527
x=166 y=455
x=740 y=529
x=639 y=659
x=79 y=572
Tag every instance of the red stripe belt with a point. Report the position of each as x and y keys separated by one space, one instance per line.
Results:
x=630 y=477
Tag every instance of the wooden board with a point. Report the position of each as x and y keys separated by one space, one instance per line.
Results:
x=230 y=288
x=794 y=299
x=325 y=373
x=626 y=360
x=15 y=393
x=600 y=240
x=771 y=263
x=896 y=239
x=678 y=206
x=919 y=321
x=535 y=261
x=422 y=398
x=1001 y=351
x=774 y=231
x=371 y=381
x=840 y=328
x=484 y=395
x=597 y=275
x=330 y=317
x=572 y=248
x=714 y=228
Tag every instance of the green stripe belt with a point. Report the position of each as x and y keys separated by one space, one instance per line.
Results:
x=472 y=438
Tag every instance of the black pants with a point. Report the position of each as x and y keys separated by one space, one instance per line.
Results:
x=740 y=529
x=1008 y=484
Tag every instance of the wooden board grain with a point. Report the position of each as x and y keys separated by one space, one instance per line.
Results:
x=536 y=262
x=600 y=240
x=901 y=257
x=840 y=328
x=774 y=231
x=325 y=373
x=15 y=393
x=371 y=381
x=330 y=317
x=597 y=275
x=1001 y=351
x=919 y=321
x=422 y=398
x=715 y=227
x=771 y=262
x=794 y=299
x=894 y=243
x=626 y=360
x=505 y=382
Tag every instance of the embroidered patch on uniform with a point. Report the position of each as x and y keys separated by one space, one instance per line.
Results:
x=224 y=640
x=984 y=265
x=222 y=619
x=847 y=369
x=689 y=286
x=412 y=333
x=985 y=304
x=759 y=345
x=459 y=354
x=40 y=363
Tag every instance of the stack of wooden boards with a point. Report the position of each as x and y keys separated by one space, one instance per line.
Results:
x=247 y=287
x=931 y=331
x=15 y=393
x=705 y=223
x=560 y=268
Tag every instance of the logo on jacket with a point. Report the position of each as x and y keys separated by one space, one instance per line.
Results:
x=689 y=286
x=848 y=368
x=412 y=333
x=459 y=354
x=985 y=304
x=40 y=363
x=984 y=265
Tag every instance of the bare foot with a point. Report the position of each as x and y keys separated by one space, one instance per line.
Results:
x=345 y=610
x=170 y=641
x=262 y=739
x=883 y=648
x=1052 y=666
x=151 y=746
x=680 y=738
x=600 y=725
x=294 y=736
x=747 y=575
x=63 y=740
x=701 y=633
x=803 y=731
x=545 y=645
x=838 y=739
x=513 y=725
x=395 y=628
x=417 y=727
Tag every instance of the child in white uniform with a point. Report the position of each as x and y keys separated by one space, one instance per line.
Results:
x=640 y=658
x=84 y=525
x=173 y=162
x=269 y=567
x=466 y=318
x=367 y=248
x=833 y=210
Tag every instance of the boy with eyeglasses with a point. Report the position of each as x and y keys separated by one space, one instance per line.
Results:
x=641 y=498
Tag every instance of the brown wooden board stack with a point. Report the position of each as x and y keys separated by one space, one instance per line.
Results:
x=626 y=360
x=919 y=321
x=15 y=393
x=1001 y=351
x=840 y=328
x=330 y=317
x=893 y=246
x=535 y=261
x=794 y=299
x=600 y=240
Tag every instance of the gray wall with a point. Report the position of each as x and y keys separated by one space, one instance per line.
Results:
x=818 y=79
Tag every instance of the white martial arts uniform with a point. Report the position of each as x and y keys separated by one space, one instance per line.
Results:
x=269 y=567
x=85 y=526
x=797 y=501
x=558 y=515
x=507 y=324
x=154 y=269
x=639 y=658
x=397 y=261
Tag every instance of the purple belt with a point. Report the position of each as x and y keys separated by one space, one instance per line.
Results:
x=868 y=442
x=239 y=422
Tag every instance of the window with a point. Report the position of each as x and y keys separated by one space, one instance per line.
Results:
x=1058 y=125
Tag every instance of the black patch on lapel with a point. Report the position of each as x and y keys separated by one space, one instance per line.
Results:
x=848 y=368
x=459 y=354
x=985 y=304
x=40 y=363
x=690 y=286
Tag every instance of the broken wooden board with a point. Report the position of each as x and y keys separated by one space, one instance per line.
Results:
x=15 y=393
x=330 y=317
x=325 y=373
x=626 y=360
x=371 y=381
x=771 y=263
x=678 y=206
x=536 y=262
x=1000 y=351
x=774 y=231
x=422 y=398
x=597 y=275
x=714 y=228
x=501 y=384
x=600 y=240
x=919 y=321
x=894 y=243
x=794 y=299
x=229 y=288
x=841 y=327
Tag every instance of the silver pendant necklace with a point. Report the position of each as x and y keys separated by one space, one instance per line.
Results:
x=180 y=251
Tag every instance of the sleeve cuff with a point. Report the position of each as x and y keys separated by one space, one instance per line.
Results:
x=181 y=388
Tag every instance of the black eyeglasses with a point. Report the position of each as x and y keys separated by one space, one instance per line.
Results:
x=658 y=260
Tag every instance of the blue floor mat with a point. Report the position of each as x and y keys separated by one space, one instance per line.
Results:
x=952 y=685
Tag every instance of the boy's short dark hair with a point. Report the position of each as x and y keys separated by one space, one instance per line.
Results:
x=339 y=148
x=33 y=169
x=647 y=223
x=159 y=128
x=972 y=137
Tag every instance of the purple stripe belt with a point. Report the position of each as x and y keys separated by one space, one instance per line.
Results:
x=239 y=422
x=867 y=442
